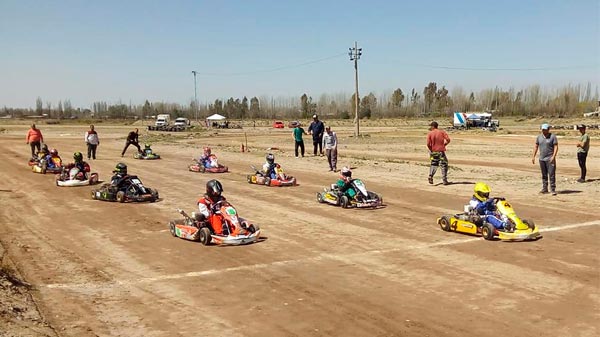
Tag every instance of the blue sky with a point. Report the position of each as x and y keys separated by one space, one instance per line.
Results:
x=130 y=51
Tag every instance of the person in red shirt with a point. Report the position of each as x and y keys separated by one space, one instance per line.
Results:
x=34 y=139
x=436 y=143
x=207 y=204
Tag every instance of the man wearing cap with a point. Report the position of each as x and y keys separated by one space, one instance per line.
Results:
x=330 y=145
x=436 y=143
x=547 y=143
x=316 y=129
x=583 y=146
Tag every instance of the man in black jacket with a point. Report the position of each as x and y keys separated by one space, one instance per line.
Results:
x=316 y=129
x=132 y=139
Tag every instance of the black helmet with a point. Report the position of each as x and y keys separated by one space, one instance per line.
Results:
x=77 y=156
x=214 y=189
x=121 y=168
x=270 y=158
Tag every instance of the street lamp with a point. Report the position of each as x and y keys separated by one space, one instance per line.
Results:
x=195 y=96
x=355 y=54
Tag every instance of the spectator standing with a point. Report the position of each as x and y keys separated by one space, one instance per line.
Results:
x=34 y=139
x=436 y=143
x=316 y=129
x=547 y=143
x=583 y=146
x=92 y=141
x=330 y=145
x=132 y=139
x=298 y=141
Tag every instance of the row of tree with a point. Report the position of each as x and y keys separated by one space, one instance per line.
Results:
x=433 y=100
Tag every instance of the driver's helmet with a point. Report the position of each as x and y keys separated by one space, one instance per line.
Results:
x=54 y=152
x=270 y=158
x=482 y=191
x=146 y=146
x=78 y=157
x=121 y=168
x=214 y=189
x=207 y=151
x=45 y=148
x=346 y=173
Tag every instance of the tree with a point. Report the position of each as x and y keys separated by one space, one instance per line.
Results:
x=244 y=107
x=429 y=95
x=367 y=106
x=147 y=109
x=254 y=107
x=396 y=99
x=39 y=106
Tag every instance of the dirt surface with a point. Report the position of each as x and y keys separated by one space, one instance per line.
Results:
x=80 y=267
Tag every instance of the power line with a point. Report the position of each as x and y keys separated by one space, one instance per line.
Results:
x=272 y=69
x=502 y=69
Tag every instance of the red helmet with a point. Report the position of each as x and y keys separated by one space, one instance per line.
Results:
x=54 y=152
x=207 y=150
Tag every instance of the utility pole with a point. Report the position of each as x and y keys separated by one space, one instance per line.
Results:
x=195 y=96
x=355 y=54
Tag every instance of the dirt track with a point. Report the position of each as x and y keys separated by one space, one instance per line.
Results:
x=109 y=269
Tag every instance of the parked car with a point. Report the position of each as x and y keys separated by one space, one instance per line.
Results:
x=278 y=125
x=182 y=121
x=294 y=124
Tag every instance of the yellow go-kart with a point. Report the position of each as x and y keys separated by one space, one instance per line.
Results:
x=504 y=224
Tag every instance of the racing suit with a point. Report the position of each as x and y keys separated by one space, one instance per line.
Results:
x=207 y=212
x=487 y=211
x=269 y=170
x=82 y=168
x=345 y=186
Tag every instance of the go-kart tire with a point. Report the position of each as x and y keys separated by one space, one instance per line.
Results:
x=267 y=181
x=120 y=196
x=344 y=201
x=253 y=228
x=93 y=179
x=445 y=223
x=172 y=229
x=487 y=231
x=249 y=179
x=202 y=169
x=320 y=197
x=529 y=223
x=205 y=237
x=93 y=194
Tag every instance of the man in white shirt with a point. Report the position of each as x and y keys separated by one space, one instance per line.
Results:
x=92 y=141
x=330 y=146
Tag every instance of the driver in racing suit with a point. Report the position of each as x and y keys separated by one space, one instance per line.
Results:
x=53 y=160
x=120 y=176
x=269 y=167
x=78 y=170
x=207 y=207
x=344 y=184
x=485 y=206
x=205 y=159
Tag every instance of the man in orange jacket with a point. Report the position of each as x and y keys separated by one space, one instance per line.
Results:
x=34 y=139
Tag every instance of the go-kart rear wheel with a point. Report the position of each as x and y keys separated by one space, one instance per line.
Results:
x=320 y=197
x=172 y=229
x=93 y=179
x=529 y=223
x=205 y=237
x=444 y=223
x=487 y=231
x=267 y=181
x=249 y=179
x=121 y=196
x=344 y=201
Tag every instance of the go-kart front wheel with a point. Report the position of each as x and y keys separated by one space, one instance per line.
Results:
x=93 y=195
x=487 y=231
x=444 y=223
x=320 y=197
x=344 y=201
x=172 y=228
x=205 y=237
x=121 y=196
x=529 y=223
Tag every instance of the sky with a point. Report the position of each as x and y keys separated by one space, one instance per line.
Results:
x=130 y=51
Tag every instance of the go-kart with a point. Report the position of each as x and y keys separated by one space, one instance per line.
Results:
x=470 y=222
x=234 y=230
x=212 y=166
x=146 y=155
x=281 y=179
x=355 y=196
x=42 y=166
x=72 y=176
x=131 y=189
